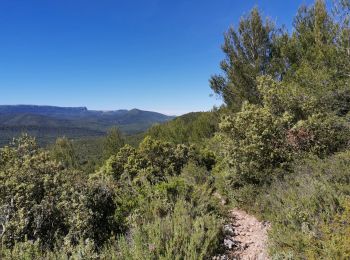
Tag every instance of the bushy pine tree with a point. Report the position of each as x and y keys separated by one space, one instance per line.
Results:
x=249 y=53
x=113 y=141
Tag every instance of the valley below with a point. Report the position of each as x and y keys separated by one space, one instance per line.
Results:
x=47 y=123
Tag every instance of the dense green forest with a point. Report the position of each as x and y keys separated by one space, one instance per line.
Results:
x=278 y=148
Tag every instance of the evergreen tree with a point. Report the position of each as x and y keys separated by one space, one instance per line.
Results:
x=317 y=58
x=113 y=142
x=63 y=151
x=249 y=52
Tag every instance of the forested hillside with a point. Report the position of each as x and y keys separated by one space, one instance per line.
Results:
x=47 y=123
x=278 y=148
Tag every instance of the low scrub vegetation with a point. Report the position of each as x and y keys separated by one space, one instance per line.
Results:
x=279 y=147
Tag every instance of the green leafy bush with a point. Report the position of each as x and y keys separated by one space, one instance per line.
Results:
x=42 y=201
x=254 y=144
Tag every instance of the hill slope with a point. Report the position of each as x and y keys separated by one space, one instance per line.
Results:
x=49 y=122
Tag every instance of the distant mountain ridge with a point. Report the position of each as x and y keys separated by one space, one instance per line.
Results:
x=39 y=109
x=49 y=122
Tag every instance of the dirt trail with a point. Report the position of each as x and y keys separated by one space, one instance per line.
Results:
x=245 y=238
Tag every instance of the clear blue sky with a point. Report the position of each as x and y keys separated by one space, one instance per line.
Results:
x=111 y=54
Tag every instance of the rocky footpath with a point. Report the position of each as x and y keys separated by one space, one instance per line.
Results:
x=245 y=238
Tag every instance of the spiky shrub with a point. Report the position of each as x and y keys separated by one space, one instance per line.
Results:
x=309 y=210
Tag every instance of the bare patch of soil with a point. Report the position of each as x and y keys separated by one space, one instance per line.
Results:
x=245 y=237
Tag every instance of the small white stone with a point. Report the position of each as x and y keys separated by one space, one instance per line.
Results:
x=229 y=243
x=228 y=230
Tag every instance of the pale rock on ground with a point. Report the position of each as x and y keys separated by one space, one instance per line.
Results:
x=245 y=238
